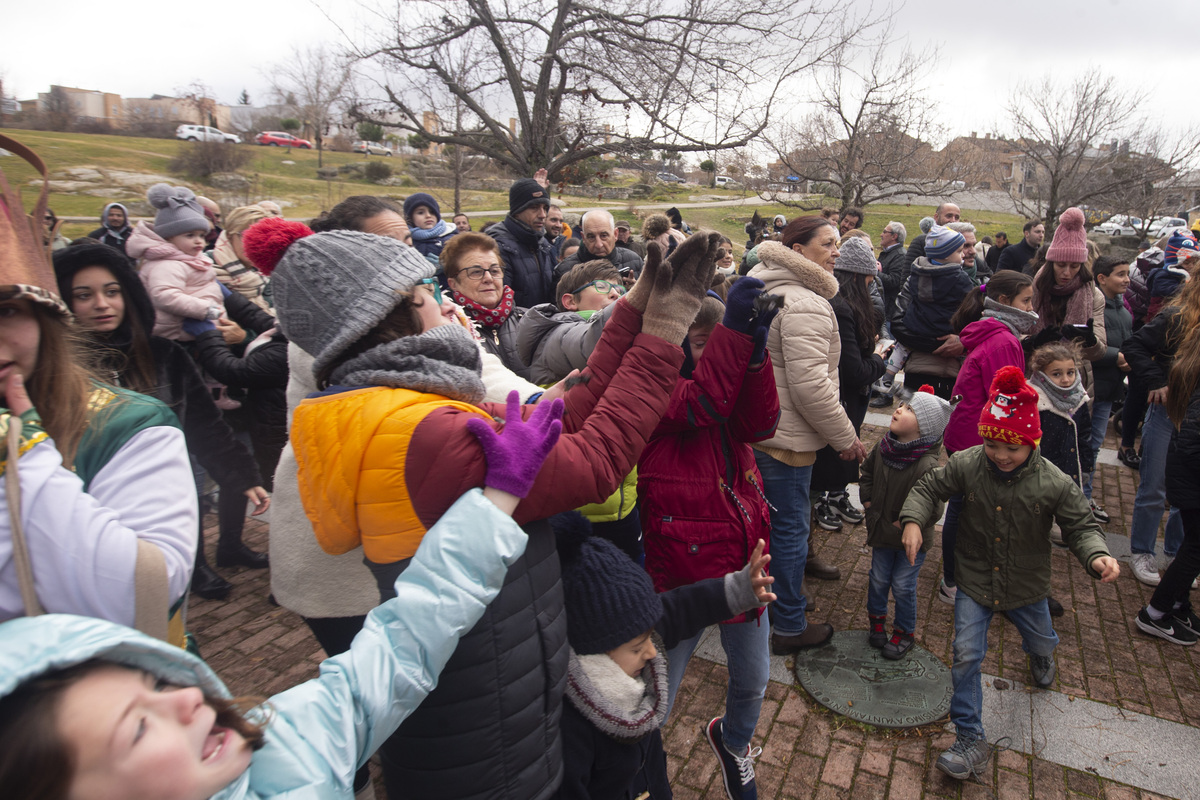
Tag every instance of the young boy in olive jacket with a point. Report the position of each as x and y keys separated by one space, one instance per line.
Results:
x=908 y=451
x=1002 y=558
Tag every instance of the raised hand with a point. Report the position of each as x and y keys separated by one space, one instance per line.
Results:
x=759 y=579
x=515 y=454
x=639 y=295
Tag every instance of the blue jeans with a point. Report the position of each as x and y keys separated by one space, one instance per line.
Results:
x=1151 y=496
x=787 y=489
x=890 y=570
x=747 y=653
x=1101 y=411
x=971 y=621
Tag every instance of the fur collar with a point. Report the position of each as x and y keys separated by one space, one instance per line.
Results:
x=621 y=707
x=808 y=273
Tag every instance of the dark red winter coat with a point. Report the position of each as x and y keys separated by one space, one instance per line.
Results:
x=702 y=504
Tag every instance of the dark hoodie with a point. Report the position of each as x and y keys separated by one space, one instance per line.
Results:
x=113 y=237
x=177 y=380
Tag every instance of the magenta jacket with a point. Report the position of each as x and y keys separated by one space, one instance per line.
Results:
x=990 y=345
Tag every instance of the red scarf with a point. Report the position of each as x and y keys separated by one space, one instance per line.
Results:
x=487 y=317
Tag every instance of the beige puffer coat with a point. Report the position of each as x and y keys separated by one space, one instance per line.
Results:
x=805 y=349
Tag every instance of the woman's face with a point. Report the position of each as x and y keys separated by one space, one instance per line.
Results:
x=96 y=299
x=388 y=223
x=20 y=338
x=1065 y=273
x=822 y=248
x=480 y=277
x=133 y=737
x=430 y=313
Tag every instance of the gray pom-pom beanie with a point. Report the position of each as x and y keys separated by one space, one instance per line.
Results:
x=856 y=256
x=178 y=211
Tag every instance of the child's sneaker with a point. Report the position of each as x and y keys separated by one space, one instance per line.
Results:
x=947 y=594
x=1169 y=628
x=840 y=503
x=898 y=646
x=827 y=518
x=1099 y=513
x=737 y=771
x=1042 y=670
x=966 y=757
x=878 y=636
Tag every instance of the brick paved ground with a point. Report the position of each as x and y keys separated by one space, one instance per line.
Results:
x=809 y=752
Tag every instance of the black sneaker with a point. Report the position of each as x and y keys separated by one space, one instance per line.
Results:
x=1055 y=607
x=1099 y=513
x=840 y=503
x=966 y=757
x=827 y=518
x=878 y=637
x=1186 y=618
x=898 y=646
x=880 y=401
x=1129 y=457
x=1168 y=628
x=737 y=771
x=1042 y=669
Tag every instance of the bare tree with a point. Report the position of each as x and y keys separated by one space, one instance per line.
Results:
x=580 y=79
x=1085 y=143
x=58 y=109
x=868 y=137
x=312 y=80
x=199 y=96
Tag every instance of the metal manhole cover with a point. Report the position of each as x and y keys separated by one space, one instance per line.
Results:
x=851 y=677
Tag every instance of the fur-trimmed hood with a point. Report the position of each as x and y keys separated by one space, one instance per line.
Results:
x=777 y=262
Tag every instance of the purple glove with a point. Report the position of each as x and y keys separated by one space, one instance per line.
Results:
x=195 y=327
x=515 y=454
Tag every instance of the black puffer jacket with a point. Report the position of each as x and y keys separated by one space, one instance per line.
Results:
x=1150 y=350
x=502 y=342
x=622 y=258
x=178 y=382
x=261 y=373
x=894 y=273
x=1183 y=459
x=499 y=716
x=528 y=262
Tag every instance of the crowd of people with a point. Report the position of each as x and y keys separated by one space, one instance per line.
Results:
x=514 y=474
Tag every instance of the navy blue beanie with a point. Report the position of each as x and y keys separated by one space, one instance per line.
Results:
x=421 y=199
x=610 y=600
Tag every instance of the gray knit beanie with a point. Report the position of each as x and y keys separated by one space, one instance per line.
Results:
x=856 y=256
x=925 y=224
x=932 y=412
x=178 y=211
x=331 y=289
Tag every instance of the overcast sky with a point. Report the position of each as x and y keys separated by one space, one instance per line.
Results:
x=137 y=48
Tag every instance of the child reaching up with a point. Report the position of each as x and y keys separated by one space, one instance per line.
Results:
x=1012 y=495
x=181 y=280
x=429 y=231
x=908 y=451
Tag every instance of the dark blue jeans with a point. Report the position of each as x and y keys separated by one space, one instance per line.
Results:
x=787 y=489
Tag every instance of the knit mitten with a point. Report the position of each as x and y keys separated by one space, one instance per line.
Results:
x=739 y=591
x=739 y=305
x=515 y=454
x=639 y=293
x=680 y=286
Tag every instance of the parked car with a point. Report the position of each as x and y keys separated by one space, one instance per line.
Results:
x=282 y=139
x=370 y=148
x=670 y=177
x=203 y=133
x=1160 y=226
x=1121 y=225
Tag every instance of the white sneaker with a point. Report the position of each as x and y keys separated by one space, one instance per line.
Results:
x=1195 y=581
x=1145 y=568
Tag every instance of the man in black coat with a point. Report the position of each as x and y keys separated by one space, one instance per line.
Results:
x=1016 y=256
x=528 y=257
x=993 y=254
x=600 y=243
x=893 y=263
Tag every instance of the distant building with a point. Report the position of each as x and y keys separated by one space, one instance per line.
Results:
x=86 y=104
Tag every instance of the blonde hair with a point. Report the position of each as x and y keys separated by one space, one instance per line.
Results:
x=238 y=220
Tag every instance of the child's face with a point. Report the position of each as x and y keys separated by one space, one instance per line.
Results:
x=190 y=243
x=1022 y=301
x=1005 y=456
x=1115 y=283
x=1062 y=372
x=904 y=425
x=136 y=738
x=634 y=655
x=423 y=218
x=697 y=339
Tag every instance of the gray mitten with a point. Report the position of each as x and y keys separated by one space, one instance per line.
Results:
x=680 y=286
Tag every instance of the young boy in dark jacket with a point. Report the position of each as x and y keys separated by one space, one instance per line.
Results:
x=616 y=678
x=1002 y=557
x=908 y=451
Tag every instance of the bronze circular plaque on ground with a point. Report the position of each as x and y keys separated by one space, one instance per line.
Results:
x=852 y=678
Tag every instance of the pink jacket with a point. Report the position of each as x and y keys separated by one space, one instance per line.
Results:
x=180 y=286
x=990 y=345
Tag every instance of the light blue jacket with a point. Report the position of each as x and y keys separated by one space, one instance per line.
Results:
x=323 y=730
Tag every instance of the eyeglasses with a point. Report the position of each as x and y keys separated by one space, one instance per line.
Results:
x=601 y=287
x=434 y=287
x=477 y=273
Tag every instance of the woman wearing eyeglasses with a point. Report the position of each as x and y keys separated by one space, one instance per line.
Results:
x=475 y=275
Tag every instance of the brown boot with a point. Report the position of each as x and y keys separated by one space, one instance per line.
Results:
x=816 y=568
x=815 y=635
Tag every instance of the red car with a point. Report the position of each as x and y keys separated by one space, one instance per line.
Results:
x=281 y=139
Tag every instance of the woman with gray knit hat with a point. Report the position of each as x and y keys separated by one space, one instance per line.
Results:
x=858 y=321
x=383 y=450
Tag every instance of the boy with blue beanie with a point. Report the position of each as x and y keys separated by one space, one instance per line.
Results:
x=936 y=286
x=429 y=231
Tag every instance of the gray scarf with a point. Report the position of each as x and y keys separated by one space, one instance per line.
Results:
x=1064 y=400
x=1018 y=321
x=599 y=690
x=444 y=360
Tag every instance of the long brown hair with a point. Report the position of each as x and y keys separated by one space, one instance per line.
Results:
x=1184 y=336
x=61 y=383
x=36 y=763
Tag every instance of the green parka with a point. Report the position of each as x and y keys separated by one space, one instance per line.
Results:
x=1002 y=555
x=886 y=489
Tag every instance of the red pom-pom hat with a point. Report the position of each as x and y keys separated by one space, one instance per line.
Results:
x=267 y=240
x=1011 y=413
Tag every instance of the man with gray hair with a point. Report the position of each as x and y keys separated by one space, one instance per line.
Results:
x=600 y=242
x=971 y=264
x=893 y=263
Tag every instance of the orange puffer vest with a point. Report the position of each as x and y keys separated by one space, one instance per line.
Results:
x=351 y=448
